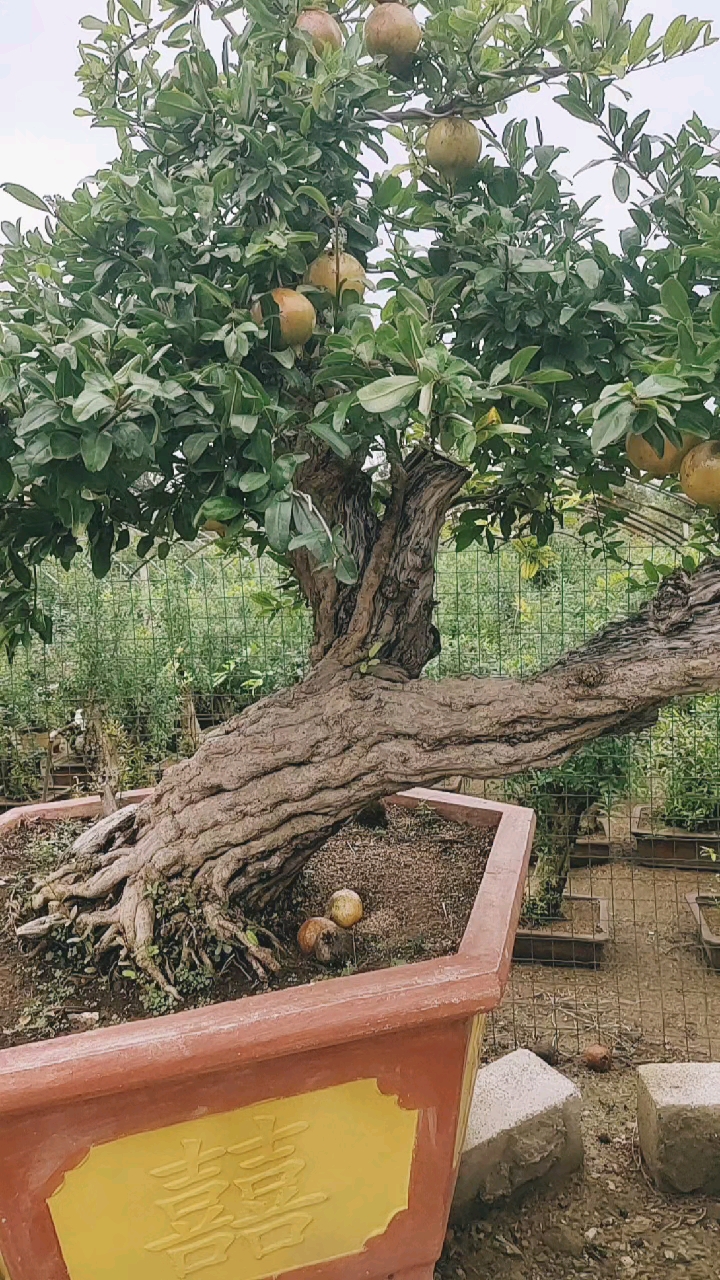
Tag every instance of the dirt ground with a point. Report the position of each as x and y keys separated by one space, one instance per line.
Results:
x=608 y=1221
x=654 y=995
x=654 y=998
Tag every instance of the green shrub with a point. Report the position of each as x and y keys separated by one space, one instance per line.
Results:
x=685 y=763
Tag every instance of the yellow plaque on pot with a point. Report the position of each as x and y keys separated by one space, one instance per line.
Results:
x=240 y=1196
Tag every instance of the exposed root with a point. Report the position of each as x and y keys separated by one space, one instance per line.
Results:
x=147 y=916
x=220 y=924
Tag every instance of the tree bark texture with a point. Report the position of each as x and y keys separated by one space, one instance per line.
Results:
x=240 y=818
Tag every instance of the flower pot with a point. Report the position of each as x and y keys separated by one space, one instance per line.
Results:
x=698 y=904
x=671 y=846
x=590 y=851
x=565 y=945
x=312 y=1132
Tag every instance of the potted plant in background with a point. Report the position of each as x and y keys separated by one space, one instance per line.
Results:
x=560 y=927
x=680 y=823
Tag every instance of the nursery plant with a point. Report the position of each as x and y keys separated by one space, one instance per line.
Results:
x=596 y=775
x=189 y=343
x=685 y=760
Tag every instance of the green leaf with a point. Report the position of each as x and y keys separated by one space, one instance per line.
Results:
x=20 y=569
x=651 y=573
x=89 y=403
x=639 y=41
x=549 y=375
x=243 y=423
x=613 y=425
x=87 y=328
x=251 y=481
x=67 y=383
x=195 y=445
x=589 y=272
x=659 y=384
x=409 y=331
x=221 y=509
x=95 y=447
x=133 y=9
x=621 y=184
x=325 y=432
x=523 y=393
x=64 y=445
x=674 y=299
x=278 y=514
x=172 y=102
x=520 y=362
x=312 y=193
x=575 y=107
x=388 y=393
x=24 y=196
x=346 y=570
x=715 y=313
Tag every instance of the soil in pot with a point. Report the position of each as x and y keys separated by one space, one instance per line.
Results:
x=418 y=880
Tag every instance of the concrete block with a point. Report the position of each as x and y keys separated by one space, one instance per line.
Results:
x=679 y=1124
x=524 y=1126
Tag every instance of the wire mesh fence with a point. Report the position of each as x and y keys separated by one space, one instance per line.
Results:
x=159 y=655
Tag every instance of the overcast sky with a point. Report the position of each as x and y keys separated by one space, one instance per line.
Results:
x=45 y=147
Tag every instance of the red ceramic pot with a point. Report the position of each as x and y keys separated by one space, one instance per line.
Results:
x=313 y=1132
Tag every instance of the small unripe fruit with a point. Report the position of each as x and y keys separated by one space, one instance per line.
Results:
x=297 y=316
x=312 y=930
x=700 y=475
x=323 y=274
x=345 y=908
x=453 y=146
x=643 y=456
x=393 y=30
x=598 y=1057
x=322 y=29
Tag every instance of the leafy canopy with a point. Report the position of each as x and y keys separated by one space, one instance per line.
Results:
x=138 y=396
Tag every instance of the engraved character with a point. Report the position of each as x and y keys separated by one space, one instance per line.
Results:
x=201 y=1228
x=273 y=1213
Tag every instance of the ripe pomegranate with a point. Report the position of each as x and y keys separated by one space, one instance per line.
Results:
x=312 y=930
x=323 y=939
x=345 y=908
x=323 y=274
x=321 y=27
x=453 y=146
x=392 y=30
x=700 y=474
x=643 y=456
x=297 y=316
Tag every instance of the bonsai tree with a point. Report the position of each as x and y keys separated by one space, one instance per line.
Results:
x=191 y=344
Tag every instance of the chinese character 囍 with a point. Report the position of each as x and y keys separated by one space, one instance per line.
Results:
x=273 y=1215
x=202 y=1231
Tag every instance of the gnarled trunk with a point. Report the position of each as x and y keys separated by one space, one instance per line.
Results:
x=238 y=820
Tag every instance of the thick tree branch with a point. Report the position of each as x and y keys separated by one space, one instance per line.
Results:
x=238 y=820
